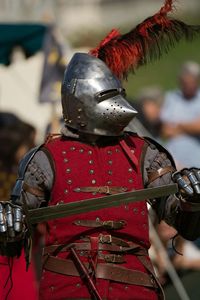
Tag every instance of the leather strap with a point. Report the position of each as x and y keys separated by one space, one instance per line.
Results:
x=158 y=173
x=133 y=248
x=112 y=258
x=128 y=152
x=106 y=224
x=103 y=271
x=147 y=264
x=108 y=190
x=189 y=206
x=32 y=190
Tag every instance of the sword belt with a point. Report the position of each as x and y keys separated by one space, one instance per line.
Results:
x=109 y=270
x=103 y=271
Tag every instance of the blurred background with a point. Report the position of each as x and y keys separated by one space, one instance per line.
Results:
x=38 y=38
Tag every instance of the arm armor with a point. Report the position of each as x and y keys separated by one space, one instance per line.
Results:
x=182 y=211
x=13 y=228
x=187 y=220
x=18 y=188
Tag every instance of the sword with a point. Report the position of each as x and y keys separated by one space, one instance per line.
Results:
x=84 y=206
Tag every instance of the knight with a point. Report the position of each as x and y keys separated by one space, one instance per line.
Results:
x=103 y=254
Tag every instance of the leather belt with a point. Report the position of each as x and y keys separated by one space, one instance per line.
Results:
x=103 y=271
x=86 y=246
x=115 y=225
x=112 y=258
x=108 y=190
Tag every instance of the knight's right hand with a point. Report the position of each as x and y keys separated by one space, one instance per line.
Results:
x=11 y=221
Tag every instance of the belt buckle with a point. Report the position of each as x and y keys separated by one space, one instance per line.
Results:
x=105 y=239
x=109 y=224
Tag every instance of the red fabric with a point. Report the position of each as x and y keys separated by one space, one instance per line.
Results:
x=24 y=283
x=78 y=165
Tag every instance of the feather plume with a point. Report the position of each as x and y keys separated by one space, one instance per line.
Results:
x=143 y=44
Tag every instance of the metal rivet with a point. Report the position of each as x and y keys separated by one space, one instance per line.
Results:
x=126 y=287
x=68 y=170
x=110 y=162
x=90 y=152
x=130 y=170
x=60 y=202
x=72 y=148
x=90 y=162
x=64 y=152
x=126 y=207
x=69 y=121
x=109 y=152
x=97 y=219
x=130 y=180
x=154 y=201
x=143 y=212
x=93 y=181
x=110 y=172
x=91 y=171
x=132 y=150
x=77 y=190
x=52 y=288
x=152 y=280
x=79 y=117
x=117 y=150
x=109 y=182
x=65 y=191
x=94 y=193
x=65 y=160
x=135 y=210
x=79 y=109
x=78 y=285
x=81 y=150
x=69 y=181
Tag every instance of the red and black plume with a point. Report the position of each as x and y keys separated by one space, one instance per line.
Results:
x=144 y=43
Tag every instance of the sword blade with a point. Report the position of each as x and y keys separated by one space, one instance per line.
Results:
x=84 y=206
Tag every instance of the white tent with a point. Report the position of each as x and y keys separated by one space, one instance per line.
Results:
x=19 y=92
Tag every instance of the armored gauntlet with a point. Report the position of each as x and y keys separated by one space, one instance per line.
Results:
x=188 y=215
x=12 y=229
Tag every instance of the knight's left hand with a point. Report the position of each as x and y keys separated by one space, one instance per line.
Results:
x=188 y=181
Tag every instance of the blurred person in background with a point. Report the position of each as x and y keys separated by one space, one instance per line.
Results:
x=149 y=105
x=180 y=116
x=16 y=138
